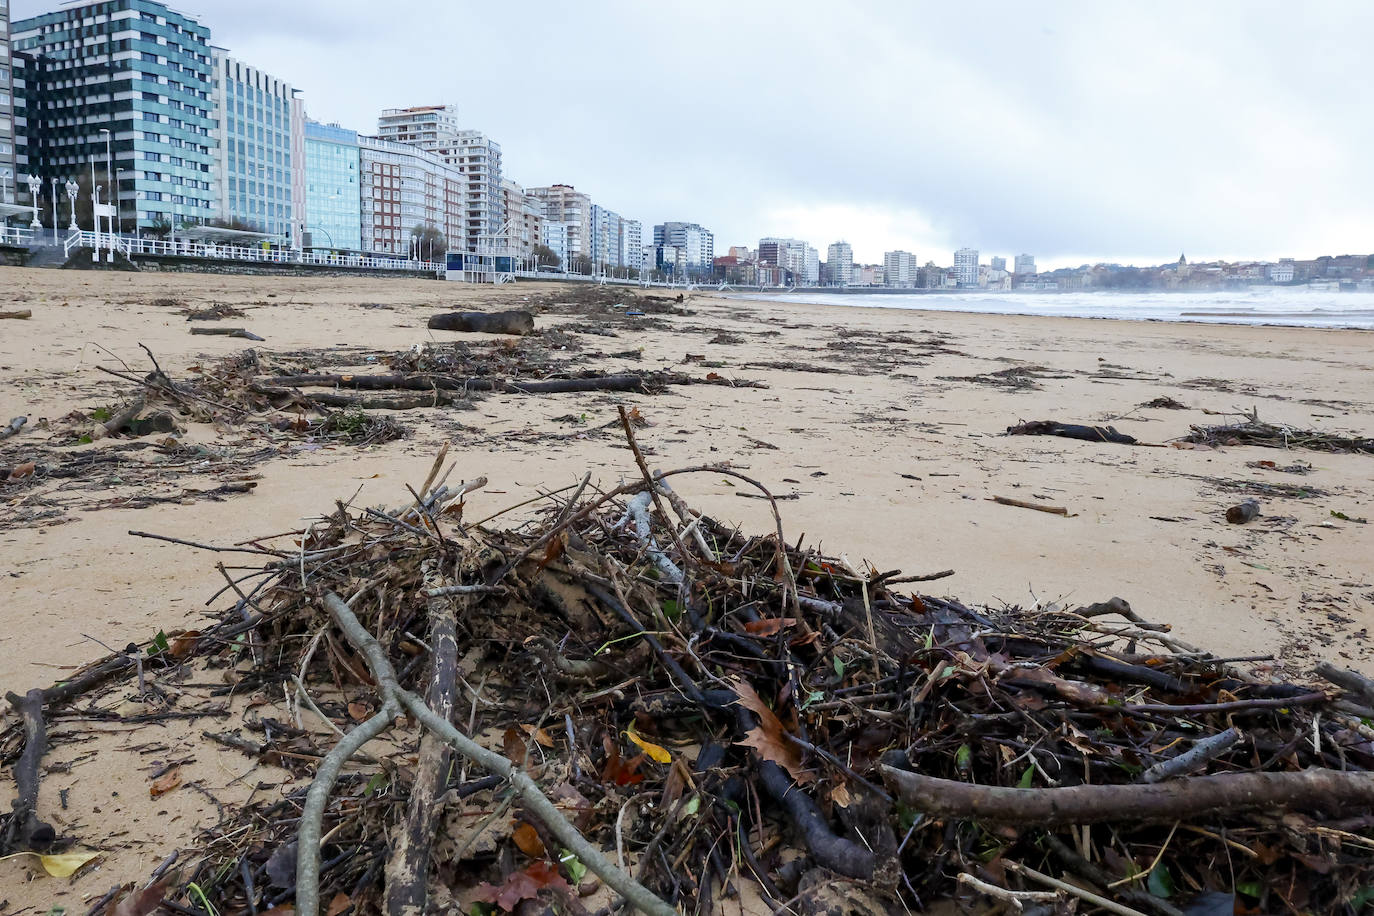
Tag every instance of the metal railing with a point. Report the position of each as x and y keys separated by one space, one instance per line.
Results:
x=187 y=248
x=12 y=235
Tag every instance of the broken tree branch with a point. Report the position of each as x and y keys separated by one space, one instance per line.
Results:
x=1093 y=804
x=394 y=698
x=26 y=831
x=13 y=427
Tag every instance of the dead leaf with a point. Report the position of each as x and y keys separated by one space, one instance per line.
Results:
x=141 y=903
x=522 y=885
x=64 y=865
x=656 y=753
x=20 y=471
x=166 y=782
x=555 y=549
x=528 y=841
x=768 y=626
x=184 y=644
x=840 y=795
x=340 y=903
x=514 y=746
x=539 y=735
x=770 y=740
x=358 y=711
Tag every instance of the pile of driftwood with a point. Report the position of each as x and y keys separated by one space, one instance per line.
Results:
x=1253 y=431
x=628 y=700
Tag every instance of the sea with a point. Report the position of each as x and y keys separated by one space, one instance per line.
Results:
x=1284 y=306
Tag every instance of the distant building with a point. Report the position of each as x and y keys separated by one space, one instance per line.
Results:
x=632 y=244
x=8 y=134
x=475 y=156
x=695 y=244
x=525 y=219
x=405 y=189
x=1283 y=271
x=566 y=205
x=840 y=259
x=332 y=211
x=257 y=122
x=1025 y=265
x=141 y=71
x=966 y=266
x=899 y=269
x=998 y=264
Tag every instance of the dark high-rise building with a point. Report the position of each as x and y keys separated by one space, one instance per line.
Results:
x=143 y=73
x=8 y=134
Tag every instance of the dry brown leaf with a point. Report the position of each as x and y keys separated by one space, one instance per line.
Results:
x=527 y=840
x=141 y=903
x=770 y=740
x=768 y=626
x=340 y=903
x=184 y=644
x=166 y=782
x=514 y=746
x=359 y=711
x=20 y=471
x=538 y=734
x=840 y=795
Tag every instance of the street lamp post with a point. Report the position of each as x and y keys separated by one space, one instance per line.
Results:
x=114 y=193
x=34 y=184
x=72 y=190
x=54 y=209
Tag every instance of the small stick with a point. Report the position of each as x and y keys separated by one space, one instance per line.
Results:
x=228 y=332
x=1087 y=896
x=22 y=313
x=1022 y=504
x=1017 y=899
x=1194 y=758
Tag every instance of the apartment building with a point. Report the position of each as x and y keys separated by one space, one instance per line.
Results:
x=966 y=266
x=632 y=244
x=839 y=257
x=800 y=260
x=997 y=263
x=899 y=269
x=260 y=125
x=8 y=134
x=332 y=212
x=695 y=245
x=525 y=217
x=434 y=128
x=139 y=75
x=1024 y=265
x=565 y=205
x=404 y=189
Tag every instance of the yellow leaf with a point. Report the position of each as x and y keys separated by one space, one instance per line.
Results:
x=66 y=864
x=656 y=753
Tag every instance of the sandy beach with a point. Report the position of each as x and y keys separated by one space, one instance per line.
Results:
x=883 y=429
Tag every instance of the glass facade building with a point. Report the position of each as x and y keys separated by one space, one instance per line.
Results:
x=333 y=201
x=253 y=162
x=140 y=71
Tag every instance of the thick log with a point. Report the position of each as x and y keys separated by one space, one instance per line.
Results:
x=407 y=870
x=227 y=332
x=398 y=401
x=1189 y=798
x=26 y=831
x=13 y=427
x=1071 y=431
x=22 y=313
x=1244 y=512
x=513 y=322
x=452 y=383
x=1348 y=680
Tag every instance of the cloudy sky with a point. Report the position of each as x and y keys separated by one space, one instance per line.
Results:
x=1078 y=131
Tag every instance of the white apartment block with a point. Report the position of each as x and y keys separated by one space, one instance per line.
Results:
x=839 y=257
x=404 y=188
x=434 y=128
x=899 y=269
x=966 y=266
x=1024 y=265
x=997 y=263
x=564 y=204
x=525 y=219
x=632 y=244
x=696 y=245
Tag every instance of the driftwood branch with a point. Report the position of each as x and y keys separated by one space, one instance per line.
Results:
x=1349 y=681
x=227 y=332
x=394 y=698
x=1194 y=758
x=512 y=322
x=25 y=830
x=1122 y=804
x=13 y=427
x=407 y=870
x=22 y=313
x=1022 y=504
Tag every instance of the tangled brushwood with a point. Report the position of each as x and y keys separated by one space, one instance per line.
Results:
x=629 y=702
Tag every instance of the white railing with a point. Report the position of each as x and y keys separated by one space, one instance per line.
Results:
x=11 y=235
x=186 y=248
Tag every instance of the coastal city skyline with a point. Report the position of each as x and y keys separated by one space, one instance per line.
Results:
x=288 y=46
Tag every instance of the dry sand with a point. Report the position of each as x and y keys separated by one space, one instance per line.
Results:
x=890 y=460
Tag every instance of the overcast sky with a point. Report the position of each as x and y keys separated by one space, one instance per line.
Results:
x=1077 y=131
